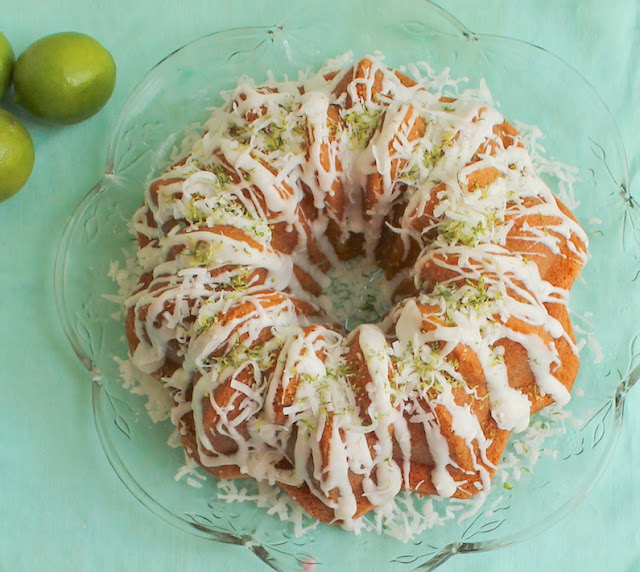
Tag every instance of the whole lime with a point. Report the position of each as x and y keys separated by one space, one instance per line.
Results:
x=16 y=155
x=7 y=59
x=65 y=77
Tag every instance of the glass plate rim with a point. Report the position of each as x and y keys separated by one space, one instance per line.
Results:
x=60 y=264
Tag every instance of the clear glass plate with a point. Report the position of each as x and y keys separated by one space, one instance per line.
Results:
x=529 y=85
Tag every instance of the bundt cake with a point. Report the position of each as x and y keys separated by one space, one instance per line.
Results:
x=291 y=179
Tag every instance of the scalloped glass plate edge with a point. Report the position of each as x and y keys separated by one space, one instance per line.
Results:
x=99 y=392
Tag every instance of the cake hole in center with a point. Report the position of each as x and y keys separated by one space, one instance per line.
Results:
x=358 y=294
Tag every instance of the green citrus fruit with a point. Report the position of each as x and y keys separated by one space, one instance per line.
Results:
x=16 y=155
x=64 y=78
x=7 y=59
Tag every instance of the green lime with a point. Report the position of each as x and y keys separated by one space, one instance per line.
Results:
x=16 y=155
x=64 y=78
x=7 y=59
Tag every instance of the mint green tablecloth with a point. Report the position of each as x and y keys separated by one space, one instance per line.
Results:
x=61 y=505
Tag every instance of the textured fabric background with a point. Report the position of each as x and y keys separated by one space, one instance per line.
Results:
x=61 y=505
